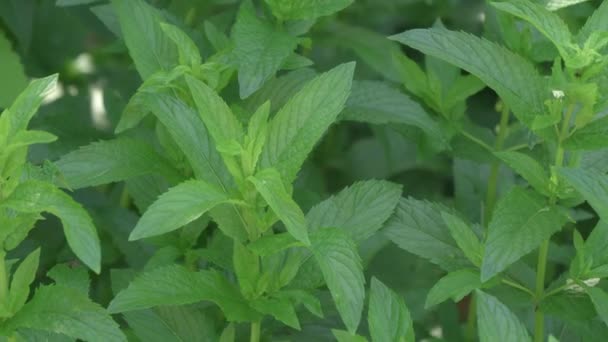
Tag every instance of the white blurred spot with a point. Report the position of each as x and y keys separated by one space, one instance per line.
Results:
x=72 y=90
x=481 y=16
x=437 y=332
x=84 y=63
x=558 y=94
x=99 y=115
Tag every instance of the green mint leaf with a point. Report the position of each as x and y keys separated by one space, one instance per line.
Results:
x=113 y=161
x=272 y=244
x=14 y=79
x=66 y=311
x=177 y=207
x=336 y=254
x=600 y=301
x=377 y=103
x=176 y=285
x=311 y=302
x=597 y=244
x=148 y=45
x=465 y=238
x=388 y=317
x=269 y=184
x=527 y=167
x=172 y=324
x=257 y=133
x=521 y=221
x=598 y=22
x=187 y=49
x=35 y=197
x=280 y=308
x=247 y=269
x=592 y=185
x=345 y=336
x=496 y=322
x=259 y=49
x=306 y=9
x=21 y=281
x=417 y=227
x=514 y=79
x=298 y=126
x=27 y=138
x=360 y=210
x=454 y=285
x=590 y=137
x=215 y=113
x=27 y=103
x=548 y=23
x=76 y=278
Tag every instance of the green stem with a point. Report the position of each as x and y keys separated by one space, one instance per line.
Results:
x=518 y=286
x=471 y=320
x=543 y=251
x=255 y=331
x=495 y=168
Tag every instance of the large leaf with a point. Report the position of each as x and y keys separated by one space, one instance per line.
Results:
x=512 y=77
x=176 y=285
x=388 y=317
x=590 y=137
x=269 y=184
x=67 y=311
x=600 y=301
x=360 y=209
x=548 y=23
x=187 y=49
x=35 y=197
x=340 y=264
x=306 y=9
x=148 y=45
x=298 y=126
x=27 y=103
x=521 y=221
x=417 y=227
x=465 y=238
x=14 y=79
x=113 y=161
x=593 y=185
x=260 y=49
x=496 y=322
x=177 y=207
x=377 y=103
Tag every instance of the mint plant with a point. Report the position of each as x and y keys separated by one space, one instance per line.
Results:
x=296 y=170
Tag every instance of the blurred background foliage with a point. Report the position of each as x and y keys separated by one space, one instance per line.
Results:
x=80 y=40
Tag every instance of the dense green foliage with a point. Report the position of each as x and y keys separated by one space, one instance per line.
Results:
x=303 y=170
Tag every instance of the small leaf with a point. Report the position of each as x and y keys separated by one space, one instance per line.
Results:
x=187 y=50
x=531 y=170
x=521 y=221
x=176 y=285
x=597 y=22
x=453 y=285
x=76 y=278
x=388 y=317
x=341 y=266
x=21 y=281
x=35 y=197
x=271 y=244
x=280 y=308
x=269 y=184
x=496 y=322
x=177 y=207
x=27 y=103
x=464 y=237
